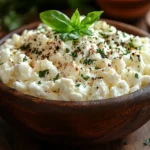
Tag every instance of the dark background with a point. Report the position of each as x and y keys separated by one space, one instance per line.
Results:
x=14 y=13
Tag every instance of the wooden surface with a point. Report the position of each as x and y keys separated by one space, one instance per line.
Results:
x=12 y=140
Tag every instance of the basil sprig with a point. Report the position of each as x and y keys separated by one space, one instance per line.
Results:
x=70 y=29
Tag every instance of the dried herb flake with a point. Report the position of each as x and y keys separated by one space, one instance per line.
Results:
x=88 y=61
x=147 y=142
x=39 y=82
x=24 y=59
x=67 y=50
x=56 y=78
x=74 y=55
x=85 y=77
x=25 y=47
x=77 y=85
x=97 y=68
x=136 y=75
x=101 y=52
x=43 y=73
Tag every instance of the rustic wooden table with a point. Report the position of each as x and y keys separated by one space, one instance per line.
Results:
x=12 y=140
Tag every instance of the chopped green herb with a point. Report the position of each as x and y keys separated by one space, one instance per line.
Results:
x=88 y=61
x=127 y=52
x=1 y=63
x=24 y=59
x=38 y=52
x=101 y=52
x=74 y=54
x=103 y=35
x=136 y=75
x=77 y=85
x=131 y=44
x=79 y=49
x=25 y=47
x=122 y=43
x=110 y=30
x=140 y=47
x=139 y=58
x=97 y=68
x=124 y=34
x=75 y=42
x=67 y=50
x=41 y=29
x=131 y=57
x=39 y=82
x=56 y=78
x=85 y=77
x=43 y=73
x=147 y=142
x=118 y=48
x=34 y=51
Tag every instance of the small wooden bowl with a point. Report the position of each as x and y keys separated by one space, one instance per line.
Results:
x=77 y=122
x=126 y=10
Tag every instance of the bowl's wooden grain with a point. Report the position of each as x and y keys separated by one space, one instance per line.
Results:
x=76 y=122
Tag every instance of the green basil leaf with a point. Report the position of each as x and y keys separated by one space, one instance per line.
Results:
x=90 y=19
x=75 y=19
x=69 y=36
x=86 y=32
x=56 y=20
x=69 y=29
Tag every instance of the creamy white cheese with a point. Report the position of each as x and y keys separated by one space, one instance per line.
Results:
x=107 y=64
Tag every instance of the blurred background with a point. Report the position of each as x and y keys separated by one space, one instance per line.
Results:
x=15 y=13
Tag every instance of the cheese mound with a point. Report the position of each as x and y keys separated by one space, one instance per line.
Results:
x=107 y=64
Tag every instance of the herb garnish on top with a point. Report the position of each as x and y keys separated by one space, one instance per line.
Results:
x=70 y=29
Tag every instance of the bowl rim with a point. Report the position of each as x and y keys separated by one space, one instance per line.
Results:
x=103 y=102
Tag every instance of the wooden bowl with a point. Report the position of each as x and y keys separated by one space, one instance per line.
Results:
x=125 y=10
x=77 y=122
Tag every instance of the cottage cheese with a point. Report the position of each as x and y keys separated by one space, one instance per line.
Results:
x=108 y=64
